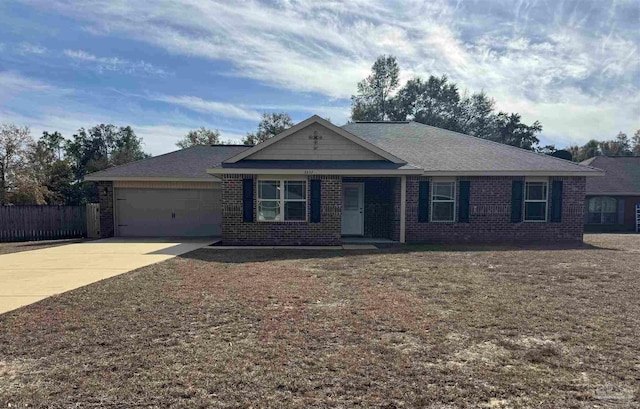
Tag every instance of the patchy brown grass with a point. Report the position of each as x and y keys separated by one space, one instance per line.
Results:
x=422 y=326
x=16 y=247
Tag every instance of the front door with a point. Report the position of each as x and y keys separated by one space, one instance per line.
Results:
x=353 y=209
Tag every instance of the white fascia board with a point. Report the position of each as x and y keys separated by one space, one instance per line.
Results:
x=346 y=172
x=513 y=173
x=212 y=179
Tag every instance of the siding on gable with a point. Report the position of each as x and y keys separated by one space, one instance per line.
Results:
x=301 y=146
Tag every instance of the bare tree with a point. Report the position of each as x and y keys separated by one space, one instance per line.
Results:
x=15 y=143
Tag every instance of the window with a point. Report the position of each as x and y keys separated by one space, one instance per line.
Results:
x=443 y=201
x=280 y=200
x=536 y=195
x=602 y=210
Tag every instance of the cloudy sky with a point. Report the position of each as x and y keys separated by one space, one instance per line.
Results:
x=176 y=65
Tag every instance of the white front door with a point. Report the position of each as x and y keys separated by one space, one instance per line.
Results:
x=353 y=209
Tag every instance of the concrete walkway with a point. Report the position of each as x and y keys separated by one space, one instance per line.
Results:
x=30 y=276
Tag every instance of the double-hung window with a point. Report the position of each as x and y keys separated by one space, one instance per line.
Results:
x=536 y=196
x=602 y=210
x=282 y=200
x=443 y=201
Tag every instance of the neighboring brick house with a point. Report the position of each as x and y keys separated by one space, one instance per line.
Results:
x=319 y=184
x=610 y=203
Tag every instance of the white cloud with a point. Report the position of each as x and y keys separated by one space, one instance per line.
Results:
x=114 y=64
x=548 y=61
x=27 y=48
x=13 y=84
x=50 y=108
x=210 y=107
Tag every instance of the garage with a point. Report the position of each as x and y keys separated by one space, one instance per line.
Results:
x=154 y=212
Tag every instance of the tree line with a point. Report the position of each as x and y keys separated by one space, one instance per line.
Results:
x=621 y=145
x=439 y=102
x=51 y=169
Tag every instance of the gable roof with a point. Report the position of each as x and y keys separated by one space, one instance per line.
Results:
x=622 y=175
x=315 y=119
x=440 y=151
x=190 y=163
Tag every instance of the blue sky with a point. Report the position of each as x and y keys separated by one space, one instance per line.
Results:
x=168 y=66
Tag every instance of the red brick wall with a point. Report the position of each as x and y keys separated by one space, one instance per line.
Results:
x=235 y=231
x=105 y=195
x=490 y=215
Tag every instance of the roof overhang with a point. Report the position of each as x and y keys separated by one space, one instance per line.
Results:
x=513 y=173
x=212 y=179
x=392 y=172
x=345 y=172
x=315 y=119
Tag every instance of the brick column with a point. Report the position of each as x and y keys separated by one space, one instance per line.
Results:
x=105 y=194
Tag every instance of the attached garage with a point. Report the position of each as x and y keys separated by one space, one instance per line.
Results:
x=162 y=210
x=169 y=195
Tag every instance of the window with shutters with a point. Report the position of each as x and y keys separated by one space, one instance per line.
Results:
x=282 y=200
x=443 y=201
x=602 y=210
x=536 y=197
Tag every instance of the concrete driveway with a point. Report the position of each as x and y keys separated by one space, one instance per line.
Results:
x=30 y=276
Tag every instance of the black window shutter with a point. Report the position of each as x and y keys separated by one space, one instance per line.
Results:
x=247 y=200
x=423 y=201
x=463 y=206
x=556 y=201
x=516 y=201
x=316 y=201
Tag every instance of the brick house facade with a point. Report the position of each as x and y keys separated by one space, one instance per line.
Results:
x=235 y=231
x=490 y=215
x=369 y=180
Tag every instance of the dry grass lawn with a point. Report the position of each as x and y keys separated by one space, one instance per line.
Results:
x=427 y=327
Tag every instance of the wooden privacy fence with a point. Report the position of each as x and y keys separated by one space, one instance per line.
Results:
x=23 y=223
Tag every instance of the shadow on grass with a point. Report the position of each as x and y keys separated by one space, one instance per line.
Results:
x=274 y=254
x=42 y=243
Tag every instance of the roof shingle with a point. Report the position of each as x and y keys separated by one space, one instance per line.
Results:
x=186 y=163
x=435 y=149
x=622 y=175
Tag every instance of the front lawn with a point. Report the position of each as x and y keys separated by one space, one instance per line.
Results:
x=396 y=328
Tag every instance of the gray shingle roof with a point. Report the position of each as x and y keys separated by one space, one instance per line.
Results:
x=435 y=149
x=622 y=175
x=191 y=162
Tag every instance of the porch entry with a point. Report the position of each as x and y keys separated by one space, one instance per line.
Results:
x=353 y=209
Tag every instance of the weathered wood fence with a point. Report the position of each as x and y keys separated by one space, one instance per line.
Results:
x=23 y=223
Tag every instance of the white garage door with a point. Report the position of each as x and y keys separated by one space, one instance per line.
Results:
x=168 y=212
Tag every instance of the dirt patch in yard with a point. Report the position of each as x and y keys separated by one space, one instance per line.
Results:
x=425 y=326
